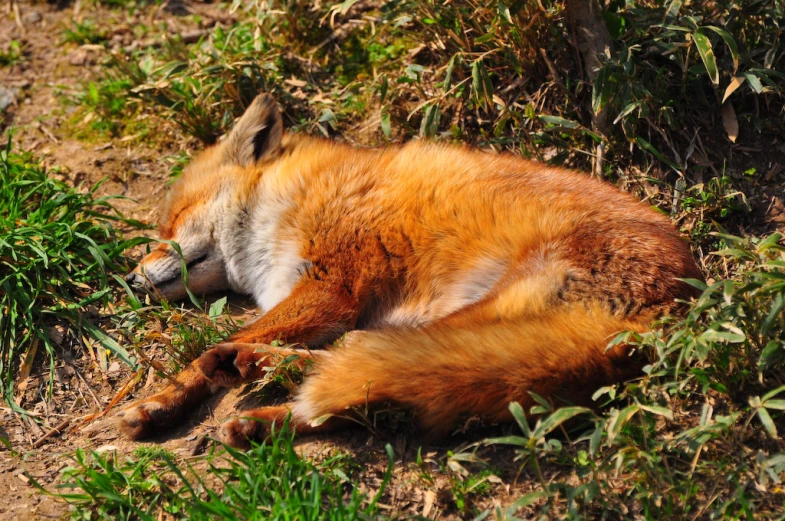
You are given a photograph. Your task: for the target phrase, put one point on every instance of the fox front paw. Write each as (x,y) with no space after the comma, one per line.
(229,365)
(240,432)
(142,419)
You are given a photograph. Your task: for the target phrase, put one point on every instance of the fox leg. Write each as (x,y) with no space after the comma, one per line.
(256,425)
(226,365)
(315,312)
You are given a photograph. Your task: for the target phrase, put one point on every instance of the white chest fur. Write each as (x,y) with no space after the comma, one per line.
(260,261)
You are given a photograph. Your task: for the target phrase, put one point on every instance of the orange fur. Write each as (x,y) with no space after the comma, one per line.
(465,279)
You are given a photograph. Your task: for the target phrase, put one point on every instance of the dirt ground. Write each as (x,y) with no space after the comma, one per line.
(139,173)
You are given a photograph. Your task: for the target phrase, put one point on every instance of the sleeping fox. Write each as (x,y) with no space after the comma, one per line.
(448,280)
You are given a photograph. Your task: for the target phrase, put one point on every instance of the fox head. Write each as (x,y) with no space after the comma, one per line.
(203,203)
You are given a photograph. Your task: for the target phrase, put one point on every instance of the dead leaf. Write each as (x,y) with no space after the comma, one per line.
(734,84)
(429,499)
(321,98)
(729,121)
(294,82)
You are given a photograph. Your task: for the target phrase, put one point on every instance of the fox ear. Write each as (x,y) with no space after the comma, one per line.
(256,134)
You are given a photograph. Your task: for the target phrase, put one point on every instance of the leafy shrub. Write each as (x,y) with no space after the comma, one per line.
(505,74)
(678,62)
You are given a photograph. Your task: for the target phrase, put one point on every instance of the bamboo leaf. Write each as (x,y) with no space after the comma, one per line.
(645,145)
(729,121)
(734,84)
(712,335)
(767,422)
(777,303)
(520,417)
(618,420)
(659,411)
(730,42)
(703,44)
(558,418)
(772,241)
(481,84)
(754,82)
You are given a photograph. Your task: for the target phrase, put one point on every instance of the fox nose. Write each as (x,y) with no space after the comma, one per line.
(132,277)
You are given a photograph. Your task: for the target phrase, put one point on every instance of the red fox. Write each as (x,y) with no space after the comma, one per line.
(448,280)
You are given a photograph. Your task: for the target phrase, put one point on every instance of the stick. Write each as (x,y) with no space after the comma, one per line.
(119,396)
(54,432)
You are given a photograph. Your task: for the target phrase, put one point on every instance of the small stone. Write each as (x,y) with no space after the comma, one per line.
(78,57)
(33,17)
(57,333)
(7,97)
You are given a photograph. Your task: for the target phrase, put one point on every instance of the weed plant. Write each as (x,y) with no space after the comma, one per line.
(12,53)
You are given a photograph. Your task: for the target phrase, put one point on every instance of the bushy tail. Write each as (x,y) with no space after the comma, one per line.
(446,371)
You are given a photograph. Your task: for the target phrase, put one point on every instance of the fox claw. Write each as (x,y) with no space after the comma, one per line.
(141,419)
(229,365)
(239,432)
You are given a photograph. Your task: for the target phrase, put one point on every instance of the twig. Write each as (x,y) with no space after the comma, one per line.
(122,393)
(87,386)
(47,132)
(18,18)
(54,432)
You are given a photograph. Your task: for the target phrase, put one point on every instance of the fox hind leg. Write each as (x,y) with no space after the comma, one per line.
(257,424)
(226,365)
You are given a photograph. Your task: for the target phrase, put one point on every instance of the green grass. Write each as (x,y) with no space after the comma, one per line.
(58,251)
(84,32)
(268,482)
(12,53)
(202,87)
(467,487)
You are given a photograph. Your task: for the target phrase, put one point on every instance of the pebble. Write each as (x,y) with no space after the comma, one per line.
(7,97)
(33,17)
